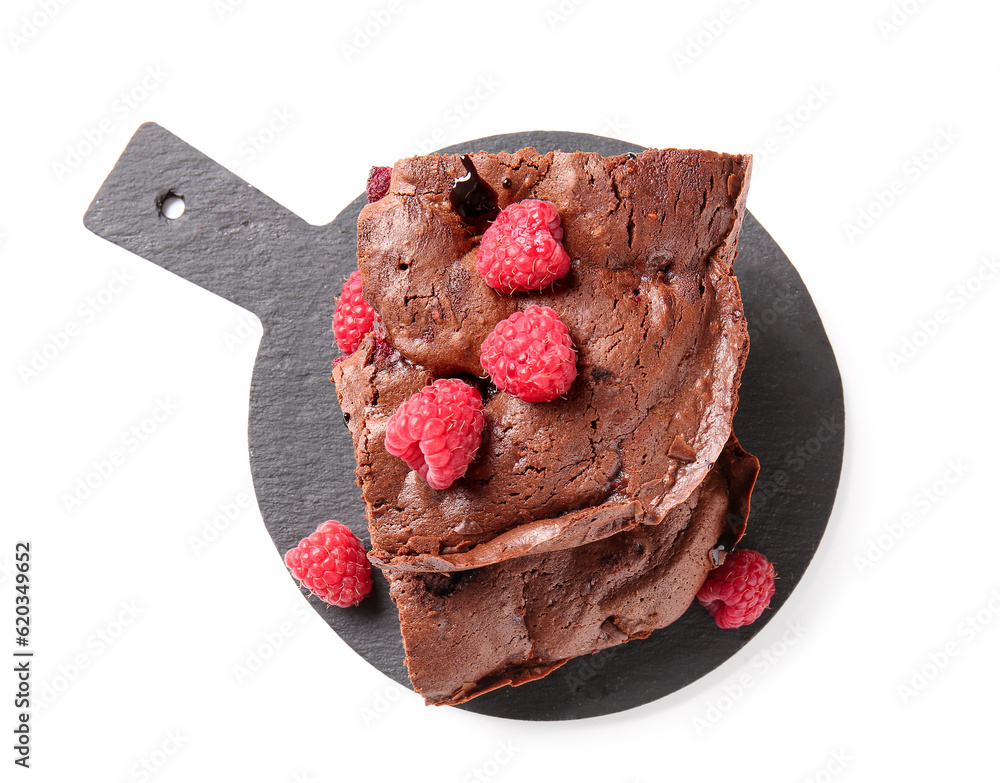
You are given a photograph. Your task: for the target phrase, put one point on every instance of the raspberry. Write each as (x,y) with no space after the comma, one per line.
(522,250)
(353,317)
(530,355)
(737,592)
(437,431)
(331,564)
(378,182)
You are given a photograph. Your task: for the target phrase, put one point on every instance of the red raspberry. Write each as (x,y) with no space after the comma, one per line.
(437,431)
(530,355)
(378,182)
(331,564)
(353,317)
(522,250)
(737,592)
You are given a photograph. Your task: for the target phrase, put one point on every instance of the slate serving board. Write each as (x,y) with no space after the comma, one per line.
(238,243)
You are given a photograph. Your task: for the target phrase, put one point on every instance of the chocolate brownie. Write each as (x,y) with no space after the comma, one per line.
(469,632)
(652,307)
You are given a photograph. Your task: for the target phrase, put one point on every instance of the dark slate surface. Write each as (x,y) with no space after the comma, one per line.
(238,243)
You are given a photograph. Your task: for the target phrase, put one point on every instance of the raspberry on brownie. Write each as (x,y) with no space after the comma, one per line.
(437,431)
(530,355)
(353,316)
(522,250)
(651,307)
(378,182)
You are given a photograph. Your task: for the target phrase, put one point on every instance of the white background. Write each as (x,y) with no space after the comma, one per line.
(140,634)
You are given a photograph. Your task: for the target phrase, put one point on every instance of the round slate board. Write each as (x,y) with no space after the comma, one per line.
(240,244)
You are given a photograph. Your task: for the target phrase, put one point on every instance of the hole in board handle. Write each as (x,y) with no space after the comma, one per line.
(171,205)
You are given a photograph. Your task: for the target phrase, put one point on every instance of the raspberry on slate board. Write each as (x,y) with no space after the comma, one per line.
(331,563)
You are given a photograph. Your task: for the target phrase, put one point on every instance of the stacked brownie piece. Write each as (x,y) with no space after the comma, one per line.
(592,519)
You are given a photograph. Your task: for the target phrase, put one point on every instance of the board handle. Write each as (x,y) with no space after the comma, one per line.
(227,239)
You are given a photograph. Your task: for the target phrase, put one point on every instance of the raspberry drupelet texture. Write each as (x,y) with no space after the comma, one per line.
(353,317)
(522,250)
(737,592)
(331,564)
(530,355)
(438,431)
(378,182)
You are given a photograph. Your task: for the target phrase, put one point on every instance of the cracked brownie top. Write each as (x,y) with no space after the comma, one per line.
(653,310)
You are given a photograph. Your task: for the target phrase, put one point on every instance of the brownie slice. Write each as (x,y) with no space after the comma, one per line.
(652,307)
(470,632)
